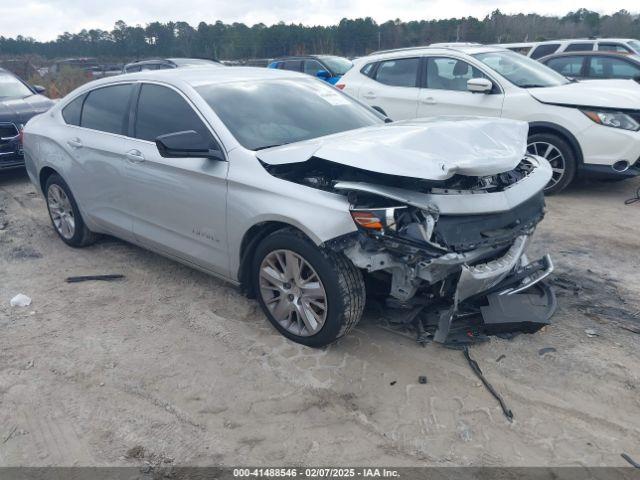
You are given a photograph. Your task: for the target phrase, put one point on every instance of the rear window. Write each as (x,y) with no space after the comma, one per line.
(71,113)
(613,47)
(544,50)
(106,109)
(401,72)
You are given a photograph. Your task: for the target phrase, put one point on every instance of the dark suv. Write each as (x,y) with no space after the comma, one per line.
(19,102)
(165,63)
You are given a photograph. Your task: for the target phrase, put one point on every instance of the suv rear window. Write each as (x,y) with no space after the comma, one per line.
(106,109)
(544,50)
(402,72)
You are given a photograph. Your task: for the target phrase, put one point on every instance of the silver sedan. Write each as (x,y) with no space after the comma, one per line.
(297,193)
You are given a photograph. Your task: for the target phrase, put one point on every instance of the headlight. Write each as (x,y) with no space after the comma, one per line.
(612,119)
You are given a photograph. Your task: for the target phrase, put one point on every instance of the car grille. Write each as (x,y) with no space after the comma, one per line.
(10,146)
(7,131)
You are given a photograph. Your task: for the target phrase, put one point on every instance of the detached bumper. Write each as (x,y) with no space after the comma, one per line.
(502,292)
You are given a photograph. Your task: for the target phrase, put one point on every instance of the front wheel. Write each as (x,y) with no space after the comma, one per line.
(310,295)
(559,154)
(65,215)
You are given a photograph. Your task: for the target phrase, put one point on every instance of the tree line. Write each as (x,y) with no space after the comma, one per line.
(351,37)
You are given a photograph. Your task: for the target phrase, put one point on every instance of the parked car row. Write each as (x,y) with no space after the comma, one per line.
(586,128)
(311,197)
(538,50)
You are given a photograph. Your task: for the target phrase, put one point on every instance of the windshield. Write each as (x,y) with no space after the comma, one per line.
(520,70)
(261,114)
(338,65)
(635,45)
(11,87)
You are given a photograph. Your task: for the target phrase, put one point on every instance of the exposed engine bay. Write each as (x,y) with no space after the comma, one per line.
(445,247)
(435,266)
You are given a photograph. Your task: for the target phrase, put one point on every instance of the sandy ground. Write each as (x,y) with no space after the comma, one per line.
(182,365)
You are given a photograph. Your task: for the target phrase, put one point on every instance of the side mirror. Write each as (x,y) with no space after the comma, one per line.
(479,85)
(39,89)
(187,144)
(324,74)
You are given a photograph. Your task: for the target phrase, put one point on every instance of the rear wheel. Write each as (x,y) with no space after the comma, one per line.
(310,295)
(559,154)
(64,214)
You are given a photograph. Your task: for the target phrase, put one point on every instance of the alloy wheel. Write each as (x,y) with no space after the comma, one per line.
(293,292)
(554,156)
(61,211)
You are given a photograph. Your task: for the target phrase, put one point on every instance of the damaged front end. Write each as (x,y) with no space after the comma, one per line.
(458,275)
(448,250)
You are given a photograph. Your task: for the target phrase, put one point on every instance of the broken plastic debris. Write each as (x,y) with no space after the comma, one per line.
(591,333)
(20,300)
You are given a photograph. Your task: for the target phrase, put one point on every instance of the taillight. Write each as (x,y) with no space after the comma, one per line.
(340,86)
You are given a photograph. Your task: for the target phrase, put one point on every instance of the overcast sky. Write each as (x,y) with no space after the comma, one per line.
(46,19)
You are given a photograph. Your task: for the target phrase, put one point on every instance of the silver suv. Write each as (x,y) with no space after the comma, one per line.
(307,199)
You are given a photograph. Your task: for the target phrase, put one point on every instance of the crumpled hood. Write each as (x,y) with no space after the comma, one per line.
(624,94)
(19,110)
(431,149)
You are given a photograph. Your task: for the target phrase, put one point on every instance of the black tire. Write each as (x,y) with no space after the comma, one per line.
(570,163)
(343,284)
(82,236)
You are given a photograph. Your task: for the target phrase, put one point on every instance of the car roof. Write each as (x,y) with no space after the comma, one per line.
(442,48)
(592,53)
(206,75)
(585,40)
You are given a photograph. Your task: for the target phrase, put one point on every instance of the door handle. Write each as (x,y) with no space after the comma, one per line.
(75,143)
(134,156)
(369,95)
(428,100)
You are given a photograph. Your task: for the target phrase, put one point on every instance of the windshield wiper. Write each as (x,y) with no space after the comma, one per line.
(531,85)
(269,146)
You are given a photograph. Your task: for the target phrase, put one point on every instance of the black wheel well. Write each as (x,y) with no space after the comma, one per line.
(250,241)
(45,173)
(566,135)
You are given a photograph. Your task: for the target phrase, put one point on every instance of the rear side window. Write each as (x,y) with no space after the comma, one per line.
(107,109)
(579,47)
(568,66)
(398,73)
(544,50)
(71,113)
(161,110)
(367,69)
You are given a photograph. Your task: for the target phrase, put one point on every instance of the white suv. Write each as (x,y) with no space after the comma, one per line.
(586,127)
(538,50)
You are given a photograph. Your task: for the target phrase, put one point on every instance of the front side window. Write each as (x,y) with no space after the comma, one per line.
(544,50)
(162,110)
(71,113)
(260,114)
(608,67)
(579,47)
(568,66)
(401,72)
(522,71)
(312,67)
(11,87)
(445,73)
(107,109)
